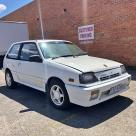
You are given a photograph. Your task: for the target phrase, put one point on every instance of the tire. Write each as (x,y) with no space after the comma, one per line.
(58,95)
(9,80)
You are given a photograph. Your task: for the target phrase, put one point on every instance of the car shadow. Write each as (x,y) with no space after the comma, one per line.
(1,62)
(132,72)
(76,116)
(0,66)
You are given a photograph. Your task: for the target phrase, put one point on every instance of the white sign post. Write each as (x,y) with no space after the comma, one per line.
(86,33)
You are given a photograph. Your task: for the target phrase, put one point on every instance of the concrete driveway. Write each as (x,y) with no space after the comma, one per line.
(26,112)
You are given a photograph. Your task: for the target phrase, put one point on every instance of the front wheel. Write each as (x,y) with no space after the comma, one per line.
(58,95)
(9,80)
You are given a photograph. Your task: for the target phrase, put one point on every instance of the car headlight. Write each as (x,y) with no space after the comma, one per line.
(123,69)
(87,78)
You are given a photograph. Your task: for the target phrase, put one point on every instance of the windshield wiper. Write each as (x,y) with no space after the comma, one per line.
(62,56)
(81,54)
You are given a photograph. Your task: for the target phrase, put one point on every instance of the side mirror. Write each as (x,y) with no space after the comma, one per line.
(35,58)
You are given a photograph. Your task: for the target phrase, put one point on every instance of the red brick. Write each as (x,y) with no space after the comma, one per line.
(114,20)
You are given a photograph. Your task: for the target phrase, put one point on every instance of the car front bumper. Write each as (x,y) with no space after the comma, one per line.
(82,95)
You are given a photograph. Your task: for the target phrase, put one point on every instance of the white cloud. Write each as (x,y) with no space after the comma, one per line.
(2,7)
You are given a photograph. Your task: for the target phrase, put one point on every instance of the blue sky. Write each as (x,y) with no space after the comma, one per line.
(8,6)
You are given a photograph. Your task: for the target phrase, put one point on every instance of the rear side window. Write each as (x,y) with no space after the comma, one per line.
(13,53)
(28,50)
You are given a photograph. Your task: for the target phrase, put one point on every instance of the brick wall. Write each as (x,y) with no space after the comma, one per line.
(114,20)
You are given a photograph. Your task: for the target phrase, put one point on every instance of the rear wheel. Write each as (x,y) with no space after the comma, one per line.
(9,80)
(58,95)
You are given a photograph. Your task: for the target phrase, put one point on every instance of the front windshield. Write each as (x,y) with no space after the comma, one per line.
(57,49)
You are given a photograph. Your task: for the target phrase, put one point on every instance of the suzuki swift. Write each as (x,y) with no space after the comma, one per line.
(65,72)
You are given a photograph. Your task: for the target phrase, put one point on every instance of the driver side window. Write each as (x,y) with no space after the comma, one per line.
(14,51)
(28,50)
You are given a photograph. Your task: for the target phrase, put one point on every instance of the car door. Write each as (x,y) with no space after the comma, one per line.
(11,60)
(30,73)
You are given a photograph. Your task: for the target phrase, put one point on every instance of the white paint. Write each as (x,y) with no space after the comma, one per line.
(36,75)
(11,32)
(40,17)
(84,63)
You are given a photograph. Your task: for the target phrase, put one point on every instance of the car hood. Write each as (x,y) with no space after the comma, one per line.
(87,63)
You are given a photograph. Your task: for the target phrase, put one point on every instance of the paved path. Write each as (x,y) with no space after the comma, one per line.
(26,112)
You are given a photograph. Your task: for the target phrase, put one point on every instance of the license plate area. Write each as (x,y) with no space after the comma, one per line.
(117,89)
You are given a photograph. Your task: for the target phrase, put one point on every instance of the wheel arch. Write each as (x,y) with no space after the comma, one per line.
(51,79)
(8,70)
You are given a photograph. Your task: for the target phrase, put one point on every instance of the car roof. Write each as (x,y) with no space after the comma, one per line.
(38,41)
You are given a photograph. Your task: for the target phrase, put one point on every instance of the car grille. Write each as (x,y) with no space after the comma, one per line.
(109,77)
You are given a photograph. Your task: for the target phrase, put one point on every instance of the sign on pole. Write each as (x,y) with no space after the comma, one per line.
(86,33)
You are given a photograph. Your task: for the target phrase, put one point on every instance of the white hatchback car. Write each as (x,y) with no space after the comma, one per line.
(65,72)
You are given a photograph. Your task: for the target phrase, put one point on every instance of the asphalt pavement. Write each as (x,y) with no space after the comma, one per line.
(27,112)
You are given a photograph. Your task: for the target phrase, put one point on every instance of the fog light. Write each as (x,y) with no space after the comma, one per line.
(94,94)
